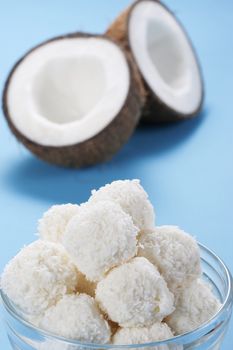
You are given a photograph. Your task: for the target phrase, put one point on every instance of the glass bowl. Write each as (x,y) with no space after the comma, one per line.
(24,336)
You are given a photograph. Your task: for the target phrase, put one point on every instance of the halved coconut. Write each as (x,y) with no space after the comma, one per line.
(73,100)
(165,58)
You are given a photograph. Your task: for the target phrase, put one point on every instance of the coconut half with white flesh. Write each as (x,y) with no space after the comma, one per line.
(73,100)
(166,60)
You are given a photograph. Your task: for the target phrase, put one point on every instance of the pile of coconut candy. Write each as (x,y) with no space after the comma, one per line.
(103,272)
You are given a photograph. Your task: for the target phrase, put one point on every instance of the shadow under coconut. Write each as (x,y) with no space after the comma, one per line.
(158,139)
(34,178)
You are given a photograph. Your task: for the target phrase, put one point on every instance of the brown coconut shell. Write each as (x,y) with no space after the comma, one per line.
(154,110)
(102,146)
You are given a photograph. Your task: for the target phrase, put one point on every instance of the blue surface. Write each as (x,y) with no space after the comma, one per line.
(187,168)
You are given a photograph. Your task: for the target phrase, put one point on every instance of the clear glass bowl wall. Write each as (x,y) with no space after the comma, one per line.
(23,336)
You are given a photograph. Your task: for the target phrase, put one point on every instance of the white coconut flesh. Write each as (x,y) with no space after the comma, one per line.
(165,56)
(68,90)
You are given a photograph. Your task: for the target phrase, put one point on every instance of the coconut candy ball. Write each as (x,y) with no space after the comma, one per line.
(134,294)
(76,316)
(196,305)
(156,332)
(133,199)
(100,237)
(38,276)
(174,252)
(52,225)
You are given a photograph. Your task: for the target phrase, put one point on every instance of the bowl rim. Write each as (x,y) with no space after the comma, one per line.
(185,338)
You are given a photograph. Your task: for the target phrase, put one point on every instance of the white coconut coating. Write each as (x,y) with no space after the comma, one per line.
(175,253)
(54,221)
(135,294)
(132,198)
(77,317)
(38,276)
(141,335)
(100,237)
(196,305)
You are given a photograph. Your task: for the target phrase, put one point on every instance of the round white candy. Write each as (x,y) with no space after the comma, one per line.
(135,294)
(174,252)
(195,306)
(38,276)
(100,237)
(52,225)
(133,199)
(77,317)
(141,335)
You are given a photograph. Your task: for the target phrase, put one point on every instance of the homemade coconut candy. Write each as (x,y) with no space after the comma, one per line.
(146,286)
(100,237)
(174,252)
(135,294)
(141,335)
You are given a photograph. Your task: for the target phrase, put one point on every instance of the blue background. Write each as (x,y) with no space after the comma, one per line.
(187,168)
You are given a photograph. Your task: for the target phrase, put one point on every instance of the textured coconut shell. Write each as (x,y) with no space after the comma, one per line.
(154,110)
(102,146)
